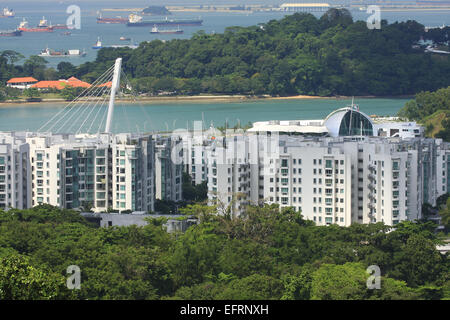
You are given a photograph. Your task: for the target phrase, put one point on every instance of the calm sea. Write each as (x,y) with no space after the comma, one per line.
(170,116)
(84,39)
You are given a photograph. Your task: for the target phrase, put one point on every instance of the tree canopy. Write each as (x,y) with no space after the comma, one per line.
(265,254)
(299,54)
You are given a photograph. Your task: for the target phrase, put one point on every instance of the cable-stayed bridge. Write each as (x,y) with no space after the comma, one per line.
(92,111)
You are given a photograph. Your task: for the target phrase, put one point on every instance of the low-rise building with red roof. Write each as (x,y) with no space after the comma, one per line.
(61,84)
(21,83)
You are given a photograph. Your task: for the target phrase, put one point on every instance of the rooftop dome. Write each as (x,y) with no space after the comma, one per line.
(349,121)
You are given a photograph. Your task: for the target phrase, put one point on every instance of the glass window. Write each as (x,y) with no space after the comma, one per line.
(355,124)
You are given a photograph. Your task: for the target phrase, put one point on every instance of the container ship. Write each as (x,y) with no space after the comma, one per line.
(155,30)
(117,20)
(137,21)
(10,33)
(49,53)
(6,13)
(42,27)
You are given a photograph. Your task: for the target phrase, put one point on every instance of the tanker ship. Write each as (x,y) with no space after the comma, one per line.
(42,27)
(117,20)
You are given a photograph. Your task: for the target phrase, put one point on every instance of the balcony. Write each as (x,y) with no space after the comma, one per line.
(371,205)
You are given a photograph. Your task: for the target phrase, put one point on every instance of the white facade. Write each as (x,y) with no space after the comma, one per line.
(168,168)
(106,172)
(341,180)
(15,173)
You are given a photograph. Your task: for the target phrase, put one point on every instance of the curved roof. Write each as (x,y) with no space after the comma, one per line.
(334,121)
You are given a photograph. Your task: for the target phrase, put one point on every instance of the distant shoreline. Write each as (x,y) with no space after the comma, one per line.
(203,99)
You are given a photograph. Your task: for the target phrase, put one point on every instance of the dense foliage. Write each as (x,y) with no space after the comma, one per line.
(431,109)
(267,254)
(299,54)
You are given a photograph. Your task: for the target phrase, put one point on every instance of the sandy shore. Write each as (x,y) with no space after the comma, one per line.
(171,99)
(192,99)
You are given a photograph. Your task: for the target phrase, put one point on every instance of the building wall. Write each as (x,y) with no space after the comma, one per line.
(169,168)
(332,180)
(15,173)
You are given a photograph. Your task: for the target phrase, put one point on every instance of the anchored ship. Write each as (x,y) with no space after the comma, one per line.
(49,53)
(60,27)
(155,30)
(7,13)
(10,33)
(42,27)
(135,20)
(117,20)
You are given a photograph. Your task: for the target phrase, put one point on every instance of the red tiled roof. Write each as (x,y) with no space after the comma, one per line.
(22,80)
(60,84)
(50,84)
(106,84)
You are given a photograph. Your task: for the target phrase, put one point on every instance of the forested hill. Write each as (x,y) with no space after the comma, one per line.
(299,54)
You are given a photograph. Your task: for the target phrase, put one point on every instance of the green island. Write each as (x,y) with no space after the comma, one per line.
(297,55)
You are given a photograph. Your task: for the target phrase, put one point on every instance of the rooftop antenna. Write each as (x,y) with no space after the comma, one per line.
(114,88)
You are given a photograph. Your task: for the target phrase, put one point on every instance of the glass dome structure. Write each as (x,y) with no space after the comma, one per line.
(349,121)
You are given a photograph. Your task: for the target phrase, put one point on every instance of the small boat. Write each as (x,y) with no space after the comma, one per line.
(67,33)
(124,39)
(7,13)
(49,53)
(155,30)
(98,45)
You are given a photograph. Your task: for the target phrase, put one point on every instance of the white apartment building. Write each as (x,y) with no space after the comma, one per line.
(106,172)
(229,174)
(339,180)
(15,173)
(168,168)
(194,144)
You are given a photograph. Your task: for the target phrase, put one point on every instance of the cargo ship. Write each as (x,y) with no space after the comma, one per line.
(6,13)
(155,30)
(49,53)
(117,20)
(42,27)
(60,27)
(10,33)
(135,20)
